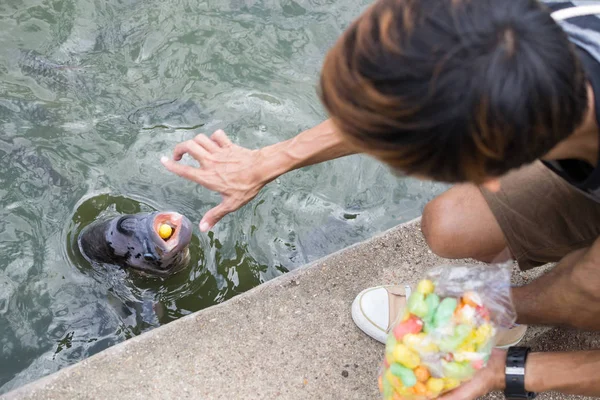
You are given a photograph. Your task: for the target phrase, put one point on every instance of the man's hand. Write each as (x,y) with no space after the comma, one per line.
(225,167)
(488,379)
(239,173)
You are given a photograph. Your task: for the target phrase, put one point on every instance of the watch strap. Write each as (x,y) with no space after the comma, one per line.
(516,359)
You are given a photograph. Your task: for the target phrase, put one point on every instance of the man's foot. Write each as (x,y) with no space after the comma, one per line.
(376,308)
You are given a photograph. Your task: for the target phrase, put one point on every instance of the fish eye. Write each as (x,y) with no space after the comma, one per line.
(149,257)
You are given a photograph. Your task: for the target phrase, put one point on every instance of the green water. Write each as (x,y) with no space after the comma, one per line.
(93,93)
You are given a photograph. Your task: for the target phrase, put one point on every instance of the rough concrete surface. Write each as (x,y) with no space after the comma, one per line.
(290,338)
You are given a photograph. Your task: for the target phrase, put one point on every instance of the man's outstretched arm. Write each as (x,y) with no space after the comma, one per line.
(239,173)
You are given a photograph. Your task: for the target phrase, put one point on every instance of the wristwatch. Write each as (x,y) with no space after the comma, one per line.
(515,374)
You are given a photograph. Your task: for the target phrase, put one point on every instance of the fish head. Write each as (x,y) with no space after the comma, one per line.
(137,243)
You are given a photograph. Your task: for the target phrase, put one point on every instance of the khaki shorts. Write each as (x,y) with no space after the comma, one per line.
(543,217)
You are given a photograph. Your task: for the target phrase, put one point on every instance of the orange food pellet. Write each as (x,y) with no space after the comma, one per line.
(397,397)
(422,373)
(458,309)
(420,389)
(380,381)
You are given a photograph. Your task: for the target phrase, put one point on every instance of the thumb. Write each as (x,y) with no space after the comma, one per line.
(213,216)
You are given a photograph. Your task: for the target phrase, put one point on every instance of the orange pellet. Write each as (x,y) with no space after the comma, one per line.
(458,309)
(380,381)
(420,389)
(422,373)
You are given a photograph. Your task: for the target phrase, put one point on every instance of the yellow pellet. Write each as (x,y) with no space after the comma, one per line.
(165,231)
(451,383)
(435,385)
(425,286)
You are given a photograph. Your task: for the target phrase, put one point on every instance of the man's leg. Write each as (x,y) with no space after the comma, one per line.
(535,218)
(456,224)
(459,224)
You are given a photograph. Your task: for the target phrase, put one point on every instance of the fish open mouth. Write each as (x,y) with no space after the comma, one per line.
(173,230)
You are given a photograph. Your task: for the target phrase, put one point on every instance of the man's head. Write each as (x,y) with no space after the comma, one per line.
(454,90)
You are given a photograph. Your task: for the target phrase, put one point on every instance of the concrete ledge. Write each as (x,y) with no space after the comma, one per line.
(290,338)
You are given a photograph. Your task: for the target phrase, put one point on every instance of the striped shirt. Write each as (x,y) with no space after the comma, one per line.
(582,32)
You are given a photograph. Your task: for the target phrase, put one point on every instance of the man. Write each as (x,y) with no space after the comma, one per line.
(473,93)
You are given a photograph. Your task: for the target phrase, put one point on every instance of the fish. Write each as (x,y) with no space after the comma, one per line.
(172,114)
(35,64)
(133,241)
(50,75)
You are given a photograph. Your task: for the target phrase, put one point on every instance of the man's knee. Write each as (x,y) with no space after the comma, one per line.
(437,226)
(460,224)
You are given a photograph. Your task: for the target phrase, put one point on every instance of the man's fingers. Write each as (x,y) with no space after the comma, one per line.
(205,142)
(214,215)
(192,148)
(221,138)
(185,171)
(198,175)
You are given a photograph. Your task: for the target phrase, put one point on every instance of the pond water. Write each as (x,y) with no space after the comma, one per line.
(93,92)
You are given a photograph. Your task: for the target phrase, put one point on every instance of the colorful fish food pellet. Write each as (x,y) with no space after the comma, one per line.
(165,231)
(439,343)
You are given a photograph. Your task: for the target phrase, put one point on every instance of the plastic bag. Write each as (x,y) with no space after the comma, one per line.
(447,330)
